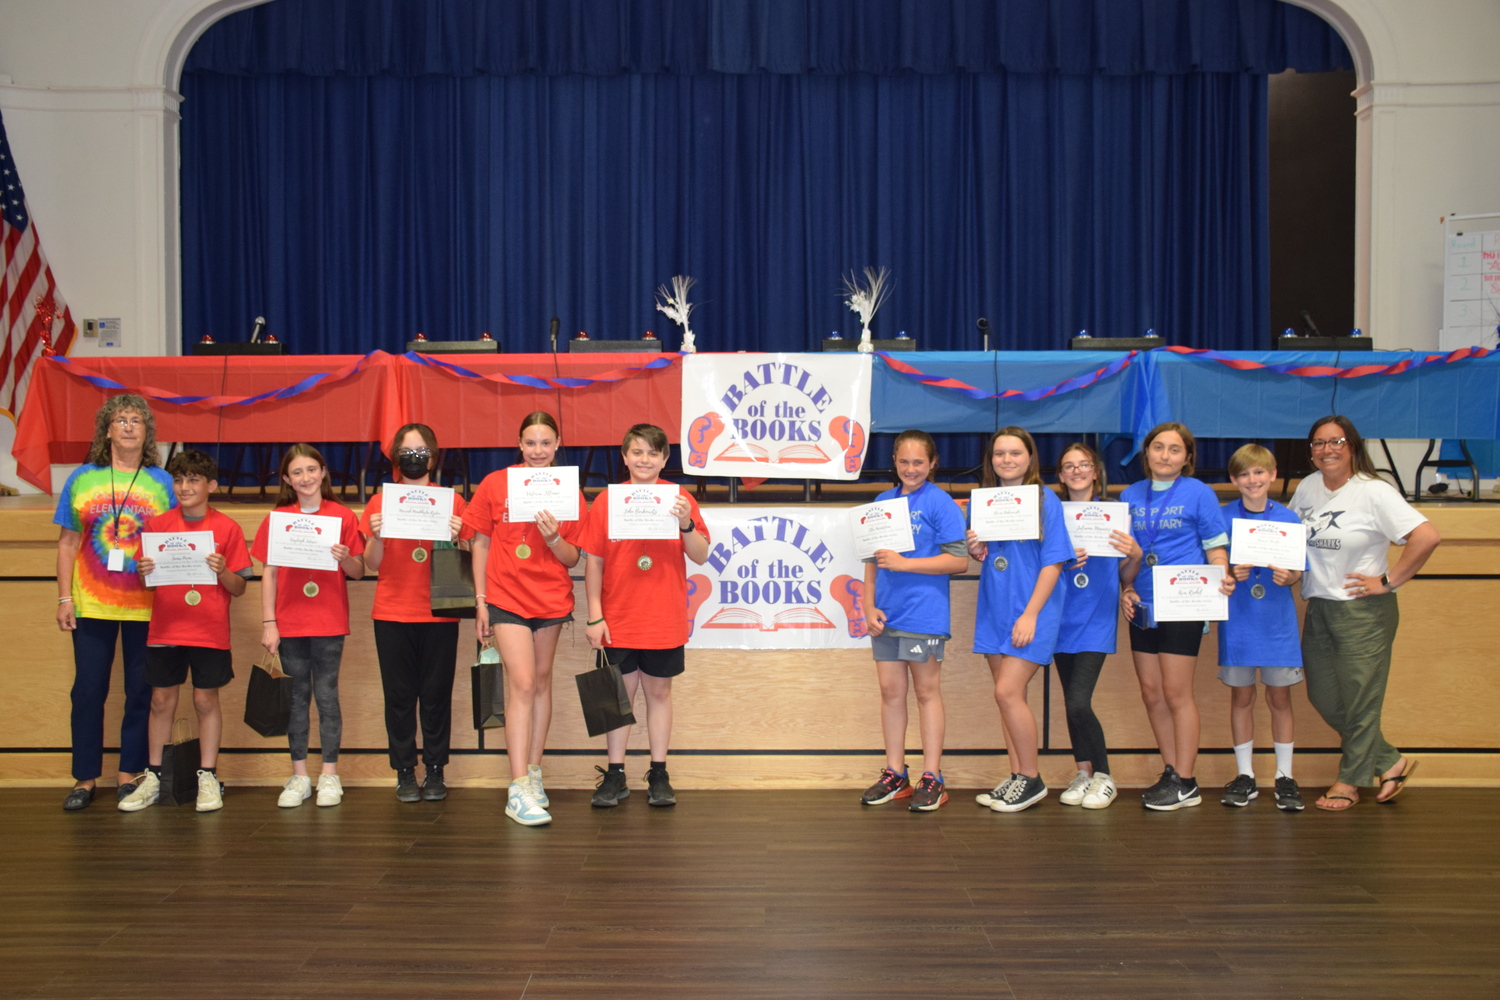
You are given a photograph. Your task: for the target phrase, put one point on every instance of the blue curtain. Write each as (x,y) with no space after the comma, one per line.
(358,175)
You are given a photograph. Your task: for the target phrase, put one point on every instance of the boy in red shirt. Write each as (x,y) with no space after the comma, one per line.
(637,592)
(190,630)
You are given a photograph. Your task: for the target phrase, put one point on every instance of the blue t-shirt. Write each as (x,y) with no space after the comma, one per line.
(1004,594)
(1186,515)
(917,603)
(1091,607)
(1260,632)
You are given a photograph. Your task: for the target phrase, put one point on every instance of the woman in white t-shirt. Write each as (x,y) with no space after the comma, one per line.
(1352,520)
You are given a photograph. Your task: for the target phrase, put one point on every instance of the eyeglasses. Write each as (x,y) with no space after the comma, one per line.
(129,422)
(1078,467)
(1328,443)
(413,453)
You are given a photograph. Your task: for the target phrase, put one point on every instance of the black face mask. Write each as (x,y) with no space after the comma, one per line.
(414,464)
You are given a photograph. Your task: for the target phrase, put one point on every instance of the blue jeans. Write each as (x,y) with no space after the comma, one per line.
(312,662)
(93,662)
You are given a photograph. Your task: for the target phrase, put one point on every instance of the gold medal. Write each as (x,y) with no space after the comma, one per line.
(310,589)
(1002,563)
(644,563)
(192,597)
(523,551)
(419,554)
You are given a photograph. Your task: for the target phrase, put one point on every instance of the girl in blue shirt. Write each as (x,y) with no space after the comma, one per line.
(1019,610)
(1176,521)
(906,611)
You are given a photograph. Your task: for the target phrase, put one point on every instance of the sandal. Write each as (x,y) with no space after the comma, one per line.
(1335,798)
(1399,780)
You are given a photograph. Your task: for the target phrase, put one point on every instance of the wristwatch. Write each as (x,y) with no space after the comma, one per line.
(1385,581)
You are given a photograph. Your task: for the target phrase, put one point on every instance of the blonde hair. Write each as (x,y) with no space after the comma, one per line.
(1251,456)
(99,448)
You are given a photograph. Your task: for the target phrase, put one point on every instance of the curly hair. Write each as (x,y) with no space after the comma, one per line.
(99,449)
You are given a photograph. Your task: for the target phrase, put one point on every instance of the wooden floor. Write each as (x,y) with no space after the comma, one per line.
(788,894)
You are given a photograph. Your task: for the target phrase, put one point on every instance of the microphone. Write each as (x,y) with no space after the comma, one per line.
(1309,325)
(257,329)
(984,329)
(555,325)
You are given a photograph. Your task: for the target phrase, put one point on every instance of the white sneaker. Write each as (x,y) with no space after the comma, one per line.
(1073,794)
(210,792)
(534,774)
(522,806)
(995,794)
(147,791)
(330,790)
(1100,792)
(297,790)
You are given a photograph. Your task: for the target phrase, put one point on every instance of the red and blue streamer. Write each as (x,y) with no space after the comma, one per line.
(78,371)
(1330,371)
(1020,395)
(543,382)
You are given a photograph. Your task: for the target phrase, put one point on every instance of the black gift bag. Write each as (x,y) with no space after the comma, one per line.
(179,767)
(488,677)
(268,702)
(453,592)
(601,692)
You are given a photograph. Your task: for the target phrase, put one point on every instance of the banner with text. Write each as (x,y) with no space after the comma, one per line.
(775,416)
(777,578)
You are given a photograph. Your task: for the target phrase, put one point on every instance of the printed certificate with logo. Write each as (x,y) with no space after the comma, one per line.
(418,513)
(1005,513)
(1253,542)
(181,557)
(884,524)
(642,511)
(1189,594)
(531,491)
(302,541)
(1089,525)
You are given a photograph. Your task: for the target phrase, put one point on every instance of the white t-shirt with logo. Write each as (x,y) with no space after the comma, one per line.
(1349,530)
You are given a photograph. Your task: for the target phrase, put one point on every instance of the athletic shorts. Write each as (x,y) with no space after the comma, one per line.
(499,616)
(1275,677)
(168,666)
(908,649)
(1174,638)
(651,662)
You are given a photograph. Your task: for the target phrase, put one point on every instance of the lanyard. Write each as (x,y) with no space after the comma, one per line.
(1153,524)
(1265,515)
(115,504)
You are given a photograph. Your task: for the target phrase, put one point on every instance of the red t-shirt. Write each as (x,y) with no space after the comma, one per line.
(403,591)
(312,602)
(538,586)
(646,608)
(175,622)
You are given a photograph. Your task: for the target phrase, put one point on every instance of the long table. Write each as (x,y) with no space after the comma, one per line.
(1457,400)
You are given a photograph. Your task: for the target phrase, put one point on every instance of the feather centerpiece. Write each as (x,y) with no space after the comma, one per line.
(675,305)
(864,300)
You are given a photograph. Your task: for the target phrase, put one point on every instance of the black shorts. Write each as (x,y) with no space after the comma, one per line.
(499,616)
(652,662)
(168,666)
(1172,638)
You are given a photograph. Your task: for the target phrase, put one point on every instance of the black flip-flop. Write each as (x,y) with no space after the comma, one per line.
(78,798)
(1330,798)
(1398,779)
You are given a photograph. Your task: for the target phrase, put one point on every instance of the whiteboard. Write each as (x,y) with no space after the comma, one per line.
(1471,281)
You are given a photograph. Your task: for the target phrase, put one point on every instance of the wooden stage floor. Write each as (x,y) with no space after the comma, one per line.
(786,894)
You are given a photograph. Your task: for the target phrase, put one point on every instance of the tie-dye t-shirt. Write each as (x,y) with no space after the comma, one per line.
(85,506)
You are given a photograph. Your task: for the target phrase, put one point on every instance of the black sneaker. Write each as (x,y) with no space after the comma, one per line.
(434,789)
(1288,795)
(1241,791)
(1168,794)
(889,785)
(659,789)
(407,789)
(1187,794)
(610,790)
(1023,793)
(929,794)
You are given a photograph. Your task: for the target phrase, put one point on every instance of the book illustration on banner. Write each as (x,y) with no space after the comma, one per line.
(699,589)
(798,617)
(850,593)
(739,451)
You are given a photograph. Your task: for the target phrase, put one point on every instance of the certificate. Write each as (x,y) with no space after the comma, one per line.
(643,511)
(302,541)
(181,557)
(1253,542)
(1005,513)
(419,513)
(532,491)
(884,524)
(1090,522)
(1189,594)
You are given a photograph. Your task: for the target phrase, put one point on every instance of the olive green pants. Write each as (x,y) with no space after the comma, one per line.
(1346,655)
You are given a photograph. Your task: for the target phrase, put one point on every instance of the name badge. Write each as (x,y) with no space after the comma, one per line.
(116,560)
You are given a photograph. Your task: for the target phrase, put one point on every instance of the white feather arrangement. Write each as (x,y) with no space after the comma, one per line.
(865,299)
(677,308)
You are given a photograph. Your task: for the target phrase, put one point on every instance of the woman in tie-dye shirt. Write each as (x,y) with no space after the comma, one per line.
(100,596)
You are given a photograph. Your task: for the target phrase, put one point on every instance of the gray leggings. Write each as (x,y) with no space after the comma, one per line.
(312,662)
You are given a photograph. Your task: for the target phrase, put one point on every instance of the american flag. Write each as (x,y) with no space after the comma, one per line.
(34,319)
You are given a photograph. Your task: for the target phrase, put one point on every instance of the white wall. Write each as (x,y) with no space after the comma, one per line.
(86,87)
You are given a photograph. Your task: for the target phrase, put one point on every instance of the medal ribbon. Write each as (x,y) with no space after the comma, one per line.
(1153,524)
